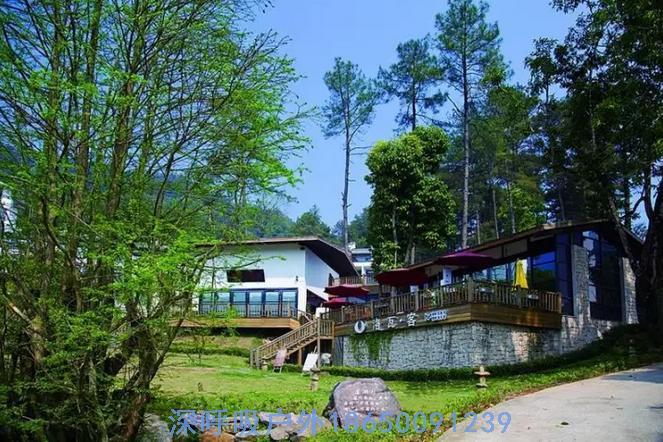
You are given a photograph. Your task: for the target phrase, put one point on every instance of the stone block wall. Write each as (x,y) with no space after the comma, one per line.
(454,345)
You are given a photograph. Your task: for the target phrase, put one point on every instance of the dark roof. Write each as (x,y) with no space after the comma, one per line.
(540,230)
(334,256)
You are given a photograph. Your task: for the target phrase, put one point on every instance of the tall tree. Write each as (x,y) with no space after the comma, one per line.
(310,223)
(348,111)
(610,65)
(410,79)
(469,47)
(547,123)
(411,206)
(127,131)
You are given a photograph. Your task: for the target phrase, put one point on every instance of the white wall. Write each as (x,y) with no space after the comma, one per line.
(285,266)
(317,271)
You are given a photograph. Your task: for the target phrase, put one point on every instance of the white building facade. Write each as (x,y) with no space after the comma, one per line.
(272,277)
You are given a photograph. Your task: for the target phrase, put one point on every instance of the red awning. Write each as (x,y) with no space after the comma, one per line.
(402,277)
(347,290)
(465,259)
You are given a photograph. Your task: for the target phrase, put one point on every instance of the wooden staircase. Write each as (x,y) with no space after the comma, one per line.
(293,341)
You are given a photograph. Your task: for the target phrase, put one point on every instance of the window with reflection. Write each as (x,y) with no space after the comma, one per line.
(251,303)
(541,272)
(604,276)
(217,301)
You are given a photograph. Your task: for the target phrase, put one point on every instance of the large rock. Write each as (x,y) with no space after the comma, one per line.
(280,433)
(154,429)
(277,418)
(250,435)
(214,435)
(363,397)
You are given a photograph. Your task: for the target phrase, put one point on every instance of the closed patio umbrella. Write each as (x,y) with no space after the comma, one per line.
(520,277)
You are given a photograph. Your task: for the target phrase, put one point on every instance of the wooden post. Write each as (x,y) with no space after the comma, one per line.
(299,357)
(342,314)
(470,290)
(319,348)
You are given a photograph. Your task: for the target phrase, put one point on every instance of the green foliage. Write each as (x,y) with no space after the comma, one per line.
(376,345)
(271,222)
(358,229)
(410,205)
(352,100)
(410,78)
(469,45)
(310,223)
(131,134)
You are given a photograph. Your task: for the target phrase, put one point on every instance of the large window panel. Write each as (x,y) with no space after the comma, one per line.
(604,277)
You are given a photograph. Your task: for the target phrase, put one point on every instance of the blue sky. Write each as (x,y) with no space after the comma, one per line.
(367,33)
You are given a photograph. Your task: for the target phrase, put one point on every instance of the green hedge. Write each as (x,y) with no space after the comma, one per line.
(614,341)
(211,349)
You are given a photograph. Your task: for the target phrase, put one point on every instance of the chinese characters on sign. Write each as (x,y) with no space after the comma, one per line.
(408,320)
(436,315)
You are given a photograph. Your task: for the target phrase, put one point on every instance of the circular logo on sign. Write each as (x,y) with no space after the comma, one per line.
(360,326)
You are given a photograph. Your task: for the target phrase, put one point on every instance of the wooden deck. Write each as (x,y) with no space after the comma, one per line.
(465,301)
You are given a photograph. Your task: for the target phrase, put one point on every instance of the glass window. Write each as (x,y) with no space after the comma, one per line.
(239,298)
(542,276)
(243,275)
(289,296)
(604,276)
(271,297)
(362,257)
(543,258)
(255,297)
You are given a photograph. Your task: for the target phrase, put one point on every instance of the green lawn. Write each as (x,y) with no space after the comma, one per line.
(228,383)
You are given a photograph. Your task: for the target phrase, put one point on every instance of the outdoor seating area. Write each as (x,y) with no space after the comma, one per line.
(465,292)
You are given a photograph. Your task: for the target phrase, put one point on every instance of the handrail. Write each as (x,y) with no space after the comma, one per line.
(292,340)
(464,292)
(353,280)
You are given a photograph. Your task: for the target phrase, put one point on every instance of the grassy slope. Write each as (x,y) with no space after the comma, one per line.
(228,383)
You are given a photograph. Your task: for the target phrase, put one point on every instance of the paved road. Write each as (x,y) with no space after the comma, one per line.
(624,406)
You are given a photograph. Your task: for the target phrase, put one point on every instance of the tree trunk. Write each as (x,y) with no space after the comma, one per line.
(466,156)
(414,107)
(512,214)
(497,227)
(346,185)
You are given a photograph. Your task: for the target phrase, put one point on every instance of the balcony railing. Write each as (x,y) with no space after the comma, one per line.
(353,280)
(465,292)
(266,310)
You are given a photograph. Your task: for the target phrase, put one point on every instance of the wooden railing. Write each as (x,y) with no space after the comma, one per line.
(293,340)
(353,280)
(266,310)
(465,292)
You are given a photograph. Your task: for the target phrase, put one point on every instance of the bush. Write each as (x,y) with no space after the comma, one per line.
(188,348)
